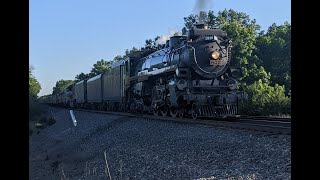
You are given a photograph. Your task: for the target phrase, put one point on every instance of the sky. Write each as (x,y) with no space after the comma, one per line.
(66,37)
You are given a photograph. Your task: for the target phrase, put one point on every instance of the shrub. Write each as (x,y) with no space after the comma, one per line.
(264,99)
(38,116)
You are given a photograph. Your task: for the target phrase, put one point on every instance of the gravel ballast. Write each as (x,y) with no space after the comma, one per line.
(133,148)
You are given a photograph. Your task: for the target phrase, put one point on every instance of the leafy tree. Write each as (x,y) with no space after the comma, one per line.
(128,52)
(81,76)
(117,58)
(34,85)
(149,43)
(152,44)
(149,47)
(155,39)
(256,73)
(242,31)
(190,21)
(264,99)
(61,85)
(274,51)
(100,67)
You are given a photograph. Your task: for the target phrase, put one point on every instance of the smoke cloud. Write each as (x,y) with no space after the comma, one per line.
(201,5)
(164,38)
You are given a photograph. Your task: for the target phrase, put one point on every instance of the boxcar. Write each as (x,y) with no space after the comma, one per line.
(94,89)
(113,83)
(80,92)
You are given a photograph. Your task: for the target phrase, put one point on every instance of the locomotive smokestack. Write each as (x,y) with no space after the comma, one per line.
(202,17)
(201,20)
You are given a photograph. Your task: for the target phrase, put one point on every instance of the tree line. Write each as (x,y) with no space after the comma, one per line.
(264,56)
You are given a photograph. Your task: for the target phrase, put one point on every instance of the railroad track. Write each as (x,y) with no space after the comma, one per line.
(262,123)
(256,123)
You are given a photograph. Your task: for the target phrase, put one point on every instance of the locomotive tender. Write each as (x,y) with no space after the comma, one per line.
(190,76)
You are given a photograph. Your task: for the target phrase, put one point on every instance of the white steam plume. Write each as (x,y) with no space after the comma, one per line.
(164,38)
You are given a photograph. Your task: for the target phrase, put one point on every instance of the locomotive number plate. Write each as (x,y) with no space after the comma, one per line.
(216,62)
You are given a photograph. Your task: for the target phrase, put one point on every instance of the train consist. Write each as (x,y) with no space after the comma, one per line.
(190,76)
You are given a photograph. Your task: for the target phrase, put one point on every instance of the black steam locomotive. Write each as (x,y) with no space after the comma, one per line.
(190,76)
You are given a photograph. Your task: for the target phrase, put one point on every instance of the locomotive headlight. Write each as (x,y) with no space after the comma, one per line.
(215,55)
